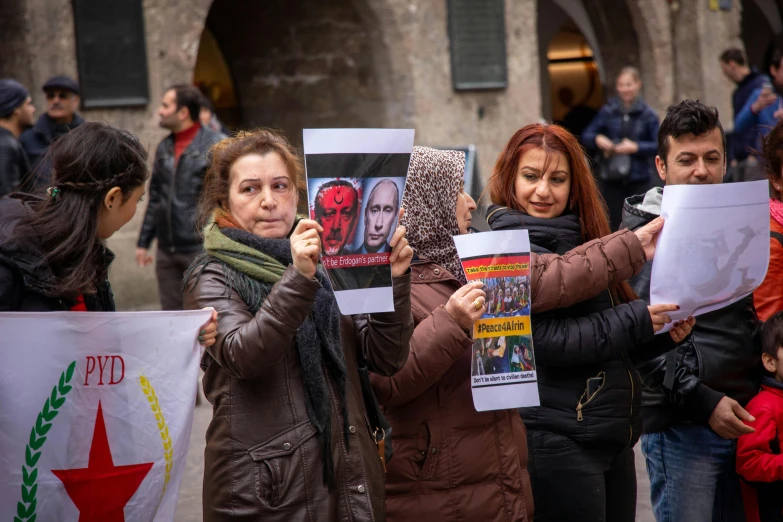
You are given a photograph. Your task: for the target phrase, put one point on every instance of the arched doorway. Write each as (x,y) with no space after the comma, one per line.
(571,71)
(293,65)
(761,26)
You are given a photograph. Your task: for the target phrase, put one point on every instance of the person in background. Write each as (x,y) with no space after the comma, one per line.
(450,462)
(743,165)
(61,117)
(288,439)
(759,460)
(581,437)
(623,135)
(693,396)
(209,119)
(768,298)
(17,112)
(763,109)
(180,163)
(53,254)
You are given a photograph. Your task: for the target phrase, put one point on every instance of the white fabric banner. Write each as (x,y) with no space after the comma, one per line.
(95,413)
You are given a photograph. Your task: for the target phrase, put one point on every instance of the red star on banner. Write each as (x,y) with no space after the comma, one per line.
(101,490)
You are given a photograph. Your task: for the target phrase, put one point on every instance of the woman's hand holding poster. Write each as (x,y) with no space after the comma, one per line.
(355,181)
(503,368)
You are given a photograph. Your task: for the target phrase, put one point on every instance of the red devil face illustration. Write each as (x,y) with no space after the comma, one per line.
(336,209)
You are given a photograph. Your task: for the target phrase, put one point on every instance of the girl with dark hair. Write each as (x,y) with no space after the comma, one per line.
(581,438)
(53,255)
(768,298)
(288,439)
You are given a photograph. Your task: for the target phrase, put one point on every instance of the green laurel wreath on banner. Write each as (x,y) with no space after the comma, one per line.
(25,509)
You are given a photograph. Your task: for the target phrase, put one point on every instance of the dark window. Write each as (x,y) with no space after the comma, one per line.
(477,35)
(111,52)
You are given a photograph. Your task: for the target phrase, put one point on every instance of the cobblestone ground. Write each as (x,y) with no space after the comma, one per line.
(189,503)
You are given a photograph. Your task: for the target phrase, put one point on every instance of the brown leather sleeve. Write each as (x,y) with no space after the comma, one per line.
(585,271)
(437,342)
(247,345)
(384,338)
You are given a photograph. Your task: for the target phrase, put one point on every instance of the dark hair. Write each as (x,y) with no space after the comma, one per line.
(777,56)
(217,181)
(86,162)
(733,54)
(772,335)
(772,150)
(687,117)
(188,96)
(206,103)
(585,199)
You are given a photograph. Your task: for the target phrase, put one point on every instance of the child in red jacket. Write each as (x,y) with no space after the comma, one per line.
(759,460)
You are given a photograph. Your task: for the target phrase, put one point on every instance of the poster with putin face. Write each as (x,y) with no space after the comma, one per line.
(355,182)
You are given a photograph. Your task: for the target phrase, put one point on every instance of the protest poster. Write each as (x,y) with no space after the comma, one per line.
(355,181)
(96,411)
(503,367)
(714,248)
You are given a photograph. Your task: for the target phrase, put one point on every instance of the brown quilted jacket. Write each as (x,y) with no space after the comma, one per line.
(450,462)
(262,461)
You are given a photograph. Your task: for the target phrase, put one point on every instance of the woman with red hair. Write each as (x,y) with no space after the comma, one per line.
(581,438)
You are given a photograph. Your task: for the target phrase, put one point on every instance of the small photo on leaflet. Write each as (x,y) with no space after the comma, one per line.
(335,206)
(521,353)
(507,296)
(381,211)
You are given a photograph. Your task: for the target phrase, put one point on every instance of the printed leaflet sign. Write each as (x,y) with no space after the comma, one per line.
(355,181)
(503,369)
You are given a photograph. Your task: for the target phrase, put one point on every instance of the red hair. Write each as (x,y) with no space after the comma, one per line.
(585,199)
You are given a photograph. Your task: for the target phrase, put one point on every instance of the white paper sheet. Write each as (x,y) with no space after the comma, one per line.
(714,247)
(350,163)
(503,368)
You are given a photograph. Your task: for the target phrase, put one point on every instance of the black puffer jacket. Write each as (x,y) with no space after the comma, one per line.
(171,213)
(571,345)
(36,142)
(721,357)
(13,162)
(25,278)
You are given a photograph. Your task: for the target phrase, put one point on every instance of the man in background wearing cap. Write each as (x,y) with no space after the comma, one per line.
(16,114)
(62,98)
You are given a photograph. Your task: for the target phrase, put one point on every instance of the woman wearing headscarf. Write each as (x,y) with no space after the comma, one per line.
(451,462)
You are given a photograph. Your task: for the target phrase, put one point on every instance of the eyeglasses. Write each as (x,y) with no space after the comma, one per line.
(63,95)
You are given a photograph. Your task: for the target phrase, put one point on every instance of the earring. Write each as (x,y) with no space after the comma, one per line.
(109,206)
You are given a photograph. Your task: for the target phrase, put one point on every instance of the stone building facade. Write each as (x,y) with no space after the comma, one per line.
(372,63)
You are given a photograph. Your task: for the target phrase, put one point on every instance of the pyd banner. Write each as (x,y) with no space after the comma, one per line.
(355,181)
(95,413)
(503,368)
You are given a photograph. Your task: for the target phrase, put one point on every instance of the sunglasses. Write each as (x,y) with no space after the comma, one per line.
(63,95)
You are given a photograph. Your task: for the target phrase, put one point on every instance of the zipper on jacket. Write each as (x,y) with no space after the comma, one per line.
(630,378)
(175,166)
(580,404)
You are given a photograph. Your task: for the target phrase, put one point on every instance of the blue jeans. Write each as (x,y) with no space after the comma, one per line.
(692,475)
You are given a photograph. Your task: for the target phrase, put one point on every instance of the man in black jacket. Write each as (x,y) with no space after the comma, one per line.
(180,164)
(62,98)
(693,396)
(16,113)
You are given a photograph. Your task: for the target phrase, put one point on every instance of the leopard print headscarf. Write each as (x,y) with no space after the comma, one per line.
(430,203)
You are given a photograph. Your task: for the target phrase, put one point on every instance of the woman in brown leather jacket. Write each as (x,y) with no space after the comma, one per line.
(289,439)
(451,462)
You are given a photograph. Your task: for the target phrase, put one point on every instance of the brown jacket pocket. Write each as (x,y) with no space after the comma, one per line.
(272,462)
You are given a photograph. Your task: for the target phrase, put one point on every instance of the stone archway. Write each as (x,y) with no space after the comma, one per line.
(307,64)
